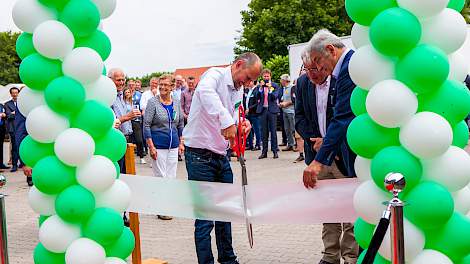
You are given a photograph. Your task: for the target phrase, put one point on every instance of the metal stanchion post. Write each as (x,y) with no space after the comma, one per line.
(395,183)
(3,222)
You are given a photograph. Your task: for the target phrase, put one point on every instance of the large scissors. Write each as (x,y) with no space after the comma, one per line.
(239,149)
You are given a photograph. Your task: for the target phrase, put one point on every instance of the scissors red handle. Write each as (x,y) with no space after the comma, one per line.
(240,140)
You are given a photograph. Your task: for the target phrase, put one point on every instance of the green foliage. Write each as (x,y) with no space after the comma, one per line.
(466,11)
(269,26)
(9,60)
(146,78)
(278,65)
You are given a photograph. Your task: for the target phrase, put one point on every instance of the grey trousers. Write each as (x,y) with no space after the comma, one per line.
(289,126)
(338,238)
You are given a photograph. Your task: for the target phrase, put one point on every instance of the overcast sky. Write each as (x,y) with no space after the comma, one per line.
(151,35)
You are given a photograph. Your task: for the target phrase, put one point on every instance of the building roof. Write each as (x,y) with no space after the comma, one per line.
(195,72)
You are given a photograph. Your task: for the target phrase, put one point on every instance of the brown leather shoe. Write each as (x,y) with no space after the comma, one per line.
(164,217)
(288,148)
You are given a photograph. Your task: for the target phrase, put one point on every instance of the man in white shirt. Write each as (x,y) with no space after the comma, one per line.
(180,86)
(149,94)
(211,127)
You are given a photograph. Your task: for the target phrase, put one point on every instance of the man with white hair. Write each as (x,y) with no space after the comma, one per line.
(180,86)
(323,114)
(149,94)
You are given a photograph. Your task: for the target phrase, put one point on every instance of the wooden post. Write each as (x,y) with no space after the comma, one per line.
(133,217)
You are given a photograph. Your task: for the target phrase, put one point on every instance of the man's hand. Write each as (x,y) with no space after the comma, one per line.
(117,123)
(181,149)
(230,132)
(282,104)
(317,143)
(246,127)
(153,153)
(28,171)
(311,174)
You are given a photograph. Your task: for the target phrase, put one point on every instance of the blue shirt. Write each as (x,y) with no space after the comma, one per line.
(136,98)
(120,108)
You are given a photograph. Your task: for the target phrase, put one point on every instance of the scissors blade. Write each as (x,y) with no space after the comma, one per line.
(249,226)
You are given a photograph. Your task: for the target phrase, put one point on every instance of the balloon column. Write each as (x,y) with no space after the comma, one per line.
(410,103)
(72,145)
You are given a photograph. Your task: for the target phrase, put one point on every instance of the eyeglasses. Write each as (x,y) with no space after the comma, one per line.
(166,85)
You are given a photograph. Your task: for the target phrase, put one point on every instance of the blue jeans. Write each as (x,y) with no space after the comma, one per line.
(255,132)
(211,167)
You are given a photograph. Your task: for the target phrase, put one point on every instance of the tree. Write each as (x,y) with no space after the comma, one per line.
(146,78)
(278,65)
(9,60)
(269,26)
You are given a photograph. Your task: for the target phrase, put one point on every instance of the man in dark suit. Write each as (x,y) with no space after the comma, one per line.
(10,111)
(250,102)
(20,134)
(268,109)
(323,114)
(3,117)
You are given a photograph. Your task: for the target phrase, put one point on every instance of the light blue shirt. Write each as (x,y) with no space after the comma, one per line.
(120,108)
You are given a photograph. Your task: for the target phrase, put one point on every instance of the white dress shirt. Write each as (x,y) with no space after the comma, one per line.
(212,109)
(322,91)
(146,97)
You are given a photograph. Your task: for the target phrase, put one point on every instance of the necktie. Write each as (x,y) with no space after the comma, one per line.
(265,96)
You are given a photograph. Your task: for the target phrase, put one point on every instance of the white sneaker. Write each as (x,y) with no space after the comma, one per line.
(142,161)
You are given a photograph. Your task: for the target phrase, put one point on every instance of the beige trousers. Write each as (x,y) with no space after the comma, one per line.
(338,238)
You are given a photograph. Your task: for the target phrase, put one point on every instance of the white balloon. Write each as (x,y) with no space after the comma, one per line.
(106,7)
(85,251)
(28,99)
(114,261)
(102,90)
(28,14)
(462,200)
(414,242)
(367,67)
(56,235)
(429,256)
(97,174)
(426,135)
(118,196)
(360,36)
(423,8)
(458,66)
(44,125)
(53,39)
(83,64)
(41,203)
(362,168)
(368,202)
(451,169)
(391,103)
(74,147)
(436,30)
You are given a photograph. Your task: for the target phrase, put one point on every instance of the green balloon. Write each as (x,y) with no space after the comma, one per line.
(42,218)
(429,205)
(366,138)
(424,69)
(358,101)
(378,259)
(460,132)
(396,159)
(51,176)
(95,118)
(112,145)
(44,256)
(451,101)
(105,226)
(452,238)
(104,70)
(118,169)
(24,45)
(123,247)
(58,4)
(32,151)
(37,71)
(363,232)
(75,204)
(82,17)
(395,31)
(457,5)
(98,41)
(65,95)
(364,11)
(465,260)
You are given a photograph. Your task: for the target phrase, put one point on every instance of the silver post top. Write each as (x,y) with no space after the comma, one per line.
(395,183)
(3,180)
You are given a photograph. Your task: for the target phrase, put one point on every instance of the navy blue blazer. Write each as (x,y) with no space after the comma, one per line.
(335,138)
(10,107)
(20,127)
(273,99)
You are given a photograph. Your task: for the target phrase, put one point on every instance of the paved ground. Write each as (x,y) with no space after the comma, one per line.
(173,240)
